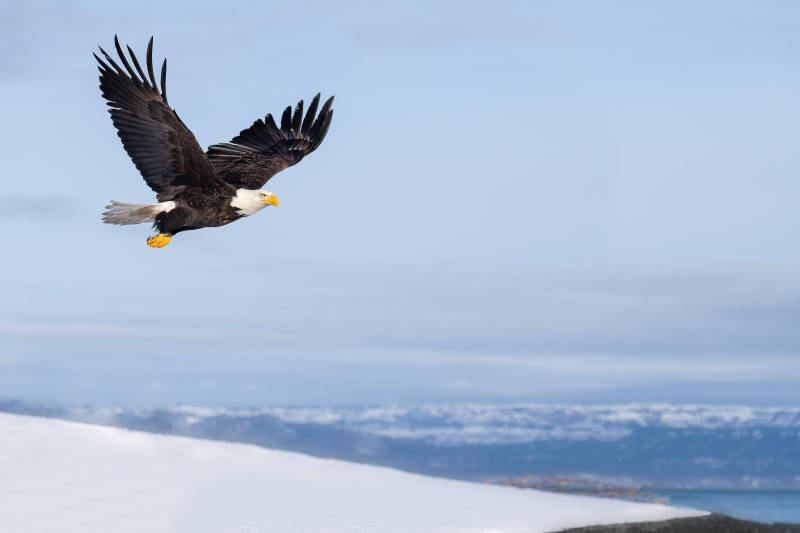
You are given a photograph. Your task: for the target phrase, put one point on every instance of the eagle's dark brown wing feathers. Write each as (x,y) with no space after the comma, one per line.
(298,116)
(264,149)
(161,146)
(312,112)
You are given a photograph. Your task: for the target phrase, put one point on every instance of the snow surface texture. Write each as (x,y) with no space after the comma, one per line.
(69,477)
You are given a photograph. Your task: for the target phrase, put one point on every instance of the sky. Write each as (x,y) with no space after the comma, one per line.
(517,201)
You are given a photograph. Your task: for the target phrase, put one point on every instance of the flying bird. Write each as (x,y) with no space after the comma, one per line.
(197,189)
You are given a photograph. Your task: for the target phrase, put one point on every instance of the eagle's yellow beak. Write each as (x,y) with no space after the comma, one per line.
(270,200)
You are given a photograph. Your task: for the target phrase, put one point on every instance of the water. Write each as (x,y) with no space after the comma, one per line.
(760,506)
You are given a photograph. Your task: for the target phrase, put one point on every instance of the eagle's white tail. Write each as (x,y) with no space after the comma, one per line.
(122,214)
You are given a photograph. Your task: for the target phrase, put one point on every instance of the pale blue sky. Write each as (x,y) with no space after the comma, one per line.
(517,201)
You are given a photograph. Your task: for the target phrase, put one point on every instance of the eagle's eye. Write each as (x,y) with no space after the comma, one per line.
(263,195)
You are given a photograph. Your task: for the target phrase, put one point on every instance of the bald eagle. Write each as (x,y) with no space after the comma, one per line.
(196,189)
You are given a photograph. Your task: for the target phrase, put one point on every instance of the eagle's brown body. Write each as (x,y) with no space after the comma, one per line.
(195,211)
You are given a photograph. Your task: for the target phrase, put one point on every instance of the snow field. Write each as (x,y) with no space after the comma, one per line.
(63,477)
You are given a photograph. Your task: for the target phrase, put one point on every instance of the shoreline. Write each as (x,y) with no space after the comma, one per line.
(712,523)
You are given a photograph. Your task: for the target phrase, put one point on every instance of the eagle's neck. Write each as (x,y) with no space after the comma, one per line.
(247,202)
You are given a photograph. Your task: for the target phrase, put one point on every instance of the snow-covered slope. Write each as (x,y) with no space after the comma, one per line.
(63,476)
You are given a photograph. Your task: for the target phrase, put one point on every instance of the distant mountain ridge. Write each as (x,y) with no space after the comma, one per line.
(671,445)
(515,423)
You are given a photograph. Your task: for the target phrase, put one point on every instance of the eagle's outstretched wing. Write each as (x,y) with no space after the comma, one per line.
(264,149)
(156,139)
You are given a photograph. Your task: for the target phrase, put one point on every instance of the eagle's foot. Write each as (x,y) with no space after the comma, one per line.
(159,241)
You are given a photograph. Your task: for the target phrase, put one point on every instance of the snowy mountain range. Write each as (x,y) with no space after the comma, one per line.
(690,446)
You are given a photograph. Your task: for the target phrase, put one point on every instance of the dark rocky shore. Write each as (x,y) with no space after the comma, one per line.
(713,523)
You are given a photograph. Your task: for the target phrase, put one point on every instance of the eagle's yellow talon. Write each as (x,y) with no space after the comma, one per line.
(159,241)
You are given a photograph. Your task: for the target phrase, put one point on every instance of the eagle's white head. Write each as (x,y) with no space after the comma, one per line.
(248,202)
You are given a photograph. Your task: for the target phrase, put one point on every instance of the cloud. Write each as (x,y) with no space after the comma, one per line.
(635,310)
(624,310)
(627,309)
(99,331)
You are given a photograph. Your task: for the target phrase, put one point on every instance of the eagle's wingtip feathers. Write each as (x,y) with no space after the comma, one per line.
(150,64)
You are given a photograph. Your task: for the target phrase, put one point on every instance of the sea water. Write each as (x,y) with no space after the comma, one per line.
(767,506)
